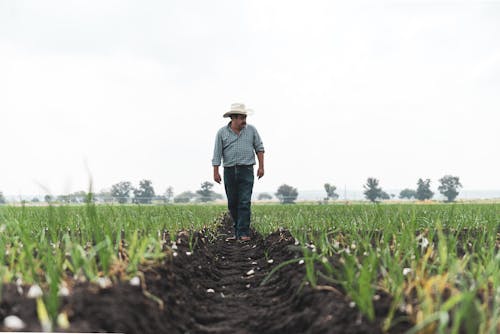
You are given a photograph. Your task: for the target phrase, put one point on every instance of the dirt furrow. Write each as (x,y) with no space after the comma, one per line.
(213,288)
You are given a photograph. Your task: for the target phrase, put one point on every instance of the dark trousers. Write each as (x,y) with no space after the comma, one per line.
(238,181)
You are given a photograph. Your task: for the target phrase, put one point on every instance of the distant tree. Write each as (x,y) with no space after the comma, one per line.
(78,196)
(184,197)
(104,196)
(449,187)
(48,198)
(169,194)
(372,191)
(62,198)
(145,193)
(35,200)
(287,194)
(90,197)
(2,198)
(121,191)
(424,190)
(330,192)
(264,197)
(407,193)
(206,194)
(384,195)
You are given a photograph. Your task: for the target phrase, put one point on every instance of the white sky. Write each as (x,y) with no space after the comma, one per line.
(342,91)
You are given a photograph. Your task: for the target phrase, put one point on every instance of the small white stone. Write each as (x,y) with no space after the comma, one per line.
(135,281)
(248,286)
(174,247)
(301,262)
(210,291)
(402,308)
(222,295)
(352,304)
(62,321)
(254,262)
(104,282)
(63,291)
(376,297)
(406,271)
(296,242)
(189,253)
(175,254)
(13,322)
(270,261)
(424,242)
(250,272)
(35,291)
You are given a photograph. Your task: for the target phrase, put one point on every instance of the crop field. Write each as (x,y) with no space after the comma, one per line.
(337,268)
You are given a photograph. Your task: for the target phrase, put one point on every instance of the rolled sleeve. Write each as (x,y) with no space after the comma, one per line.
(257,142)
(217,158)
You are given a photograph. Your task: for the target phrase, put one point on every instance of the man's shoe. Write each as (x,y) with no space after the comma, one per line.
(245,239)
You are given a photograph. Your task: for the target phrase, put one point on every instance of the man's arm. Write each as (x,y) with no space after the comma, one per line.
(260,157)
(217,157)
(259,149)
(217,177)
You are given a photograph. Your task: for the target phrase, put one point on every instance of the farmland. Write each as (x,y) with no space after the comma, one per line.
(321,268)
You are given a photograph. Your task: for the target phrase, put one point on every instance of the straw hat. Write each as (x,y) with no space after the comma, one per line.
(238,109)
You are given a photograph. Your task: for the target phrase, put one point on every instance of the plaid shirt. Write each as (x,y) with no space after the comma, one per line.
(236,149)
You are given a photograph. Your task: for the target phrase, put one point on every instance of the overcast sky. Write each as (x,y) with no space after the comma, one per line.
(342,91)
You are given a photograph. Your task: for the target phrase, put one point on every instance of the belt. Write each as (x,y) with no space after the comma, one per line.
(240,166)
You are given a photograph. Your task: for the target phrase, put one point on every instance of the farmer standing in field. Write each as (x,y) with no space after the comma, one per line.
(236,145)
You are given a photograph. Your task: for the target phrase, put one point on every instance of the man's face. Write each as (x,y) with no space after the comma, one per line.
(239,121)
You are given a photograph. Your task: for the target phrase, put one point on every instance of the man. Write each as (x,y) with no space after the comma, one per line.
(236,145)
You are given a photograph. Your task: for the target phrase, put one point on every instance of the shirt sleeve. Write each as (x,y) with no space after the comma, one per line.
(216,160)
(257,142)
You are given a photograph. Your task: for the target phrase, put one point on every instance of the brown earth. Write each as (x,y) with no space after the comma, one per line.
(175,297)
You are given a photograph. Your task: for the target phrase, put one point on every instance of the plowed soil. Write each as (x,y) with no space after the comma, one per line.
(216,289)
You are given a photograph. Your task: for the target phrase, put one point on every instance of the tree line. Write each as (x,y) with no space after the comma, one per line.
(145,193)
(449,188)
(124,192)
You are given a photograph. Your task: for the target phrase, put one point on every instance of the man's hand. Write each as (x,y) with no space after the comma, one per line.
(217,177)
(260,172)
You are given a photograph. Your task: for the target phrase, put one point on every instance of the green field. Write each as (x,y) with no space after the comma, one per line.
(440,263)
